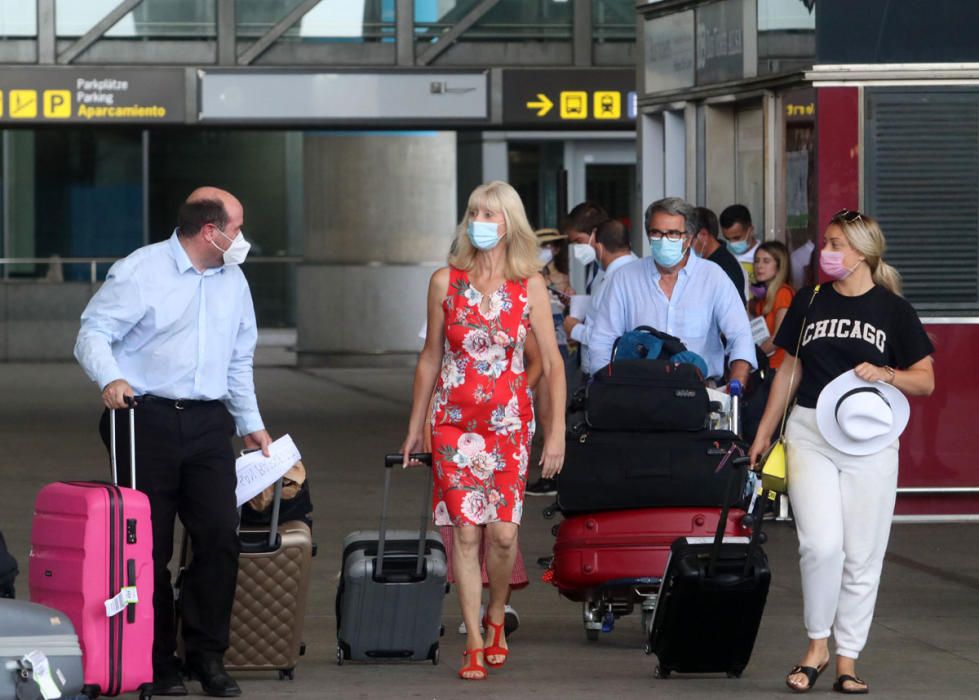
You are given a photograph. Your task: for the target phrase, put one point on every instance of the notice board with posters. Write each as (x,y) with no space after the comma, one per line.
(70,94)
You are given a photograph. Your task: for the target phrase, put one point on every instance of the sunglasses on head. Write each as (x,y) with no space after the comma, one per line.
(846,215)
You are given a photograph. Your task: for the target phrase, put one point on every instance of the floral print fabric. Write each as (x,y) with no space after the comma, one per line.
(482,413)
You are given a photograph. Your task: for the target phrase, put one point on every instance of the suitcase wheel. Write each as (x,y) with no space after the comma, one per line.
(550,511)
(146,691)
(339,655)
(92,691)
(435,657)
(287,674)
(735,674)
(661,672)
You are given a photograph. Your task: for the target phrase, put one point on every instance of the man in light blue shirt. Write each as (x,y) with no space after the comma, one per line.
(173,329)
(613,253)
(676,293)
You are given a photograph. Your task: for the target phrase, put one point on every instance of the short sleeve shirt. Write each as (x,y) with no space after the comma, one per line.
(840,332)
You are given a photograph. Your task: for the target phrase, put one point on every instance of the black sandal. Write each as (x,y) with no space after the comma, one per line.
(840,687)
(809,672)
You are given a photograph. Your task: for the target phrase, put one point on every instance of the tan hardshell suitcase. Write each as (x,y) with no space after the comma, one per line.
(270,602)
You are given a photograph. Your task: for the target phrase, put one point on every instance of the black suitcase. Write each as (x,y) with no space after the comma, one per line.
(646,395)
(711,602)
(616,470)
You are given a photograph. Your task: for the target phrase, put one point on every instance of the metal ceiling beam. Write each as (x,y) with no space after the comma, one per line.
(277,30)
(227,33)
(446,40)
(583,33)
(405,32)
(96,32)
(46,32)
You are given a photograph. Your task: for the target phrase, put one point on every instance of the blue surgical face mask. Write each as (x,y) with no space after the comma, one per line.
(483,234)
(666,252)
(738,247)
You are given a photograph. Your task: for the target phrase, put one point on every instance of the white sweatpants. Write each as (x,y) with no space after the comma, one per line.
(843,507)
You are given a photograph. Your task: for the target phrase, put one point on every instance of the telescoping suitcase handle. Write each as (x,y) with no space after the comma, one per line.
(389,461)
(736,463)
(132,443)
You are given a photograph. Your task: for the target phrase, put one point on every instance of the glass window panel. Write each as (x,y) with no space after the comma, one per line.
(17,18)
(350,20)
(614,20)
(510,19)
(777,15)
(74,193)
(149,19)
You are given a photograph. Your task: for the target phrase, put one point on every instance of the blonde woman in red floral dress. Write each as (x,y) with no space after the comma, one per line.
(480,309)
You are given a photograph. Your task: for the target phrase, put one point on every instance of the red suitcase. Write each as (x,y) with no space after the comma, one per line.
(92,559)
(598,548)
(612,561)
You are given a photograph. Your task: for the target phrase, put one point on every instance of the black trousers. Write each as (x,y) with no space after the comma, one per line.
(185,464)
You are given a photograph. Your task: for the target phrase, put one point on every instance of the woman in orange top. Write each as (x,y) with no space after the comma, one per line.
(771,294)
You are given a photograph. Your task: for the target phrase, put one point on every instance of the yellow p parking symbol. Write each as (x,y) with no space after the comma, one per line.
(57,104)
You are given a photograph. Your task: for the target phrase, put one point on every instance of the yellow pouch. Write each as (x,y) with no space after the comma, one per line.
(774,476)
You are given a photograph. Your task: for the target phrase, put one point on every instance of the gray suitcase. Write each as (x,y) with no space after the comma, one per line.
(30,636)
(389,601)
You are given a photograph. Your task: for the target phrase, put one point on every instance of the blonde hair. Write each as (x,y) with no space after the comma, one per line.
(865,236)
(521,244)
(778,251)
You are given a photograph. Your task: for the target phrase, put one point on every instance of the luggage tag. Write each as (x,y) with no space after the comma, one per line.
(40,669)
(117,603)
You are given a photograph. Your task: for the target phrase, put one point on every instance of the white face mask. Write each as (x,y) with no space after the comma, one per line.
(583,253)
(545,255)
(237,251)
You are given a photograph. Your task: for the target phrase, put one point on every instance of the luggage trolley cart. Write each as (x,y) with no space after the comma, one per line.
(635,542)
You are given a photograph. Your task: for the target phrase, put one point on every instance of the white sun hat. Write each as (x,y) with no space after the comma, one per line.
(859,417)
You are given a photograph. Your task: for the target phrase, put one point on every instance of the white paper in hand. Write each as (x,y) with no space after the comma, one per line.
(256,471)
(759,330)
(580,303)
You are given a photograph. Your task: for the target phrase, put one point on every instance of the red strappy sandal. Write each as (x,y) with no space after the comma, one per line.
(473,666)
(494,649)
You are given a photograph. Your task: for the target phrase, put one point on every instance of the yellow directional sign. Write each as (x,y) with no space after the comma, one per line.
(57,104)
(574,105)
(601,98)
(543,105)
(23,104)
(608,105)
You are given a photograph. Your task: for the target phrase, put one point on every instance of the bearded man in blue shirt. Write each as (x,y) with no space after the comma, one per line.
(173,329)
(677,293)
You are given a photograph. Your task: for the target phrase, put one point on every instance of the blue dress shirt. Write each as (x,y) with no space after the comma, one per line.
(704,305)
(582,331)
(174,332)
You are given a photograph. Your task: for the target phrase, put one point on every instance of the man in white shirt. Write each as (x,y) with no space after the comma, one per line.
(173,330)
(676,293)
(740,236)
(613,253)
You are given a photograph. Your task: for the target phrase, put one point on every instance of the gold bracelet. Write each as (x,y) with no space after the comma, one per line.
(893,373)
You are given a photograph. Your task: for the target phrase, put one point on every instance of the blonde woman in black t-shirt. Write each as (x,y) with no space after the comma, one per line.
(842,485)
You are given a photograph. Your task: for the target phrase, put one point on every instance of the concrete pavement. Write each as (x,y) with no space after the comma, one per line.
(924,642)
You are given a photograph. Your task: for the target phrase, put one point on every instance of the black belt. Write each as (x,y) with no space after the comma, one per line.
(179,404)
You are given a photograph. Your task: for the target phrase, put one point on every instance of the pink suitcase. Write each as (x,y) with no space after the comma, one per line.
(91,545)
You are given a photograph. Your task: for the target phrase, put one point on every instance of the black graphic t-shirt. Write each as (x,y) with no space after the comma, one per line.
(879,327)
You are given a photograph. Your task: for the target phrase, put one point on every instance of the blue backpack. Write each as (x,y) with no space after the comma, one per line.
(647,343)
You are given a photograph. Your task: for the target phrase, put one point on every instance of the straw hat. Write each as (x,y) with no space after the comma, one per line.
(548,235)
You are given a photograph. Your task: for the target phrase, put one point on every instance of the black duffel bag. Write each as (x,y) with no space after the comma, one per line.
(647,395)
(618,470)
